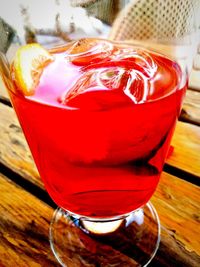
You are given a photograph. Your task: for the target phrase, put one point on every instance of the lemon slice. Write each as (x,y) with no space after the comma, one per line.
(28,65)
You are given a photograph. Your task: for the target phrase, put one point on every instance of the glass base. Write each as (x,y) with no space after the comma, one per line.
(131,241)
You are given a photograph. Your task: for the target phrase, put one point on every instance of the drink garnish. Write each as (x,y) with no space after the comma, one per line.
(28,65)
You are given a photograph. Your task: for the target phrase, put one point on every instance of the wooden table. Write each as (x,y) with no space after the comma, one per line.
(26,209)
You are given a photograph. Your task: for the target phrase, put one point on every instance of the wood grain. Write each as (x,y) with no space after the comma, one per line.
(24,235)
(24,226)
(186,143)
(14,151)
(191,107)
(177,203)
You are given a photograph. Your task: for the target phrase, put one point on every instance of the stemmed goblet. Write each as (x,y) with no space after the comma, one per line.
(98,115)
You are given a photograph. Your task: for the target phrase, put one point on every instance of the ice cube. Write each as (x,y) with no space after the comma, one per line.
(89,50)
(142,59)
(99,89)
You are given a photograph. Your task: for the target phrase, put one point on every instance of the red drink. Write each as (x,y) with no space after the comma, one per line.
(99,125)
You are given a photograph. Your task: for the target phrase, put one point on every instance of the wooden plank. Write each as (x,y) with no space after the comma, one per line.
(14,151)
(191,107)
(177,203)
(15,154)
(25,220)
(186,143)
(24,234)
(24,226)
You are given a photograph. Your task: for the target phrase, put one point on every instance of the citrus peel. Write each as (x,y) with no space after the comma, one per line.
(28,65)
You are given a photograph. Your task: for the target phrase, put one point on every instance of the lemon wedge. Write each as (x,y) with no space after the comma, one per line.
(28,65)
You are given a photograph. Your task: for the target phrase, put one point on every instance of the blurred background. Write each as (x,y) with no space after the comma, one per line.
(54,22)
(57,21)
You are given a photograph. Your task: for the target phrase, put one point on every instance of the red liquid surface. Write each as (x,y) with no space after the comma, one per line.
(99,126)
